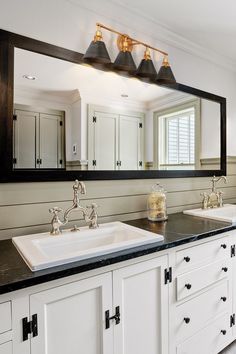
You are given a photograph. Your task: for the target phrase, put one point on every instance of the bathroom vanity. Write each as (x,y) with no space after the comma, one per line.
(174,296)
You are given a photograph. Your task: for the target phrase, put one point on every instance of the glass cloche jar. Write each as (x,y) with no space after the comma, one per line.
(156,204)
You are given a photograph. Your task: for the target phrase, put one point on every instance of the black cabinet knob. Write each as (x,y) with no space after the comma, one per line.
(223,298)
(187,259)
(223,331)
(188,286)
(224,246)
(186,320)
(225,269)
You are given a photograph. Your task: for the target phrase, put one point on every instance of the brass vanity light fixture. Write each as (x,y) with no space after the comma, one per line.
(97,51)
(124,62)
(165,74)
(146,67)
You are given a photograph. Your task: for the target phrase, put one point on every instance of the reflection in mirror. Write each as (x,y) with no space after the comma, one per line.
(75,117)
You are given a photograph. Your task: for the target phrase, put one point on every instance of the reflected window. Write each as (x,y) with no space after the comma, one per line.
(177,143)
(180,138)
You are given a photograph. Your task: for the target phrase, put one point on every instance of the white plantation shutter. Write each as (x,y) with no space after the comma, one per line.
(180,137)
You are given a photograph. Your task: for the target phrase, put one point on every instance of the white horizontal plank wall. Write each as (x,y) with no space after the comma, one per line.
(24,206)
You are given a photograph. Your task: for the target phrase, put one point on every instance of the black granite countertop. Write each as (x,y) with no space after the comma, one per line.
(178,230)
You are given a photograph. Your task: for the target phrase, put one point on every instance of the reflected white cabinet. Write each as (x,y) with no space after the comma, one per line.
(115,140)
(38,140)
(105,143)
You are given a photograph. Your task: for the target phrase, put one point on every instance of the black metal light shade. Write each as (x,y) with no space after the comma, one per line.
(146,69)
(125,62)
(97,53)
(165,74)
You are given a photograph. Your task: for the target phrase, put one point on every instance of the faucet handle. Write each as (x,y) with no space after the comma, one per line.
(93,206)
(93,217)
(55,210)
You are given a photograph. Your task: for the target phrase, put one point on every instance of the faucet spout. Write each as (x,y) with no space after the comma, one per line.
(78,187)
(215,180)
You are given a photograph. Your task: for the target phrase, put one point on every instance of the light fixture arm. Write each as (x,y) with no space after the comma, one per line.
(132,40)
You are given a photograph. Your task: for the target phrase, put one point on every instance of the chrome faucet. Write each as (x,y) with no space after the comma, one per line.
(214,199)
(89,213)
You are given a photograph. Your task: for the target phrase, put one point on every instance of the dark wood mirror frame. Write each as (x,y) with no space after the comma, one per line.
(8,41)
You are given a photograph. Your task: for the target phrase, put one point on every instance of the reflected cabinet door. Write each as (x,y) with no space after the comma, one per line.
(140,292)
(130,142)
(71,318)
(105,141)
(115,140)
(50,145)
(38,139)
(24,142)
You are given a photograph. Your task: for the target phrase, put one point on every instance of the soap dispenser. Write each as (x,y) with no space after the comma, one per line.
(156,204)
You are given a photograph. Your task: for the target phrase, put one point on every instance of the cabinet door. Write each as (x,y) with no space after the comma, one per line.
(105,141)
(140,292)
(234,292)
(50,146)
(71,318)
(25,138)
(6,348)
(130,143)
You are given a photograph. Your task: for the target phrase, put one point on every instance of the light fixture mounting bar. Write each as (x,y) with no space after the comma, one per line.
(134,41)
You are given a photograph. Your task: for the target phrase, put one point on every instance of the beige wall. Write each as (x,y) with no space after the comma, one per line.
(24,206)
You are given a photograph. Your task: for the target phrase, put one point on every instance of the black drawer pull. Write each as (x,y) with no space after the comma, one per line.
(225,269)
(186,320)
(223,298)
(188,286)
(224,246)
(187,259)
(223,331)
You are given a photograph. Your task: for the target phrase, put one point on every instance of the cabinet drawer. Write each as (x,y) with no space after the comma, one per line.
(196,256)
(5,316)
(194,314)
(209,340)
(191,282)
(6,348)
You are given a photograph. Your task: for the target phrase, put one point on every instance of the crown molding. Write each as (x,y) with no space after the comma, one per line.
(148,26)
(66,98)
(170,100)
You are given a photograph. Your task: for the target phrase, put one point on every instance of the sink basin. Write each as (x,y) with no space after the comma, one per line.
(226,213)
(42,251)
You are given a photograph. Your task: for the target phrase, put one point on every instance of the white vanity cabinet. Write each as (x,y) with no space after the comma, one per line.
(6,348)
(142,295)
(178,301)
(202,308)
(71,317)
(118,312)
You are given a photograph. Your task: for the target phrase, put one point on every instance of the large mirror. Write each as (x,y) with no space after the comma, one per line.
(69,117)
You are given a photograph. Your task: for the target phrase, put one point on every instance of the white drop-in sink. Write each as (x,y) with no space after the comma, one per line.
(226,213)
(42,251)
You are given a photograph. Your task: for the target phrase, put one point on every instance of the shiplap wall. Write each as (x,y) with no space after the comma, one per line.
(24,206)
